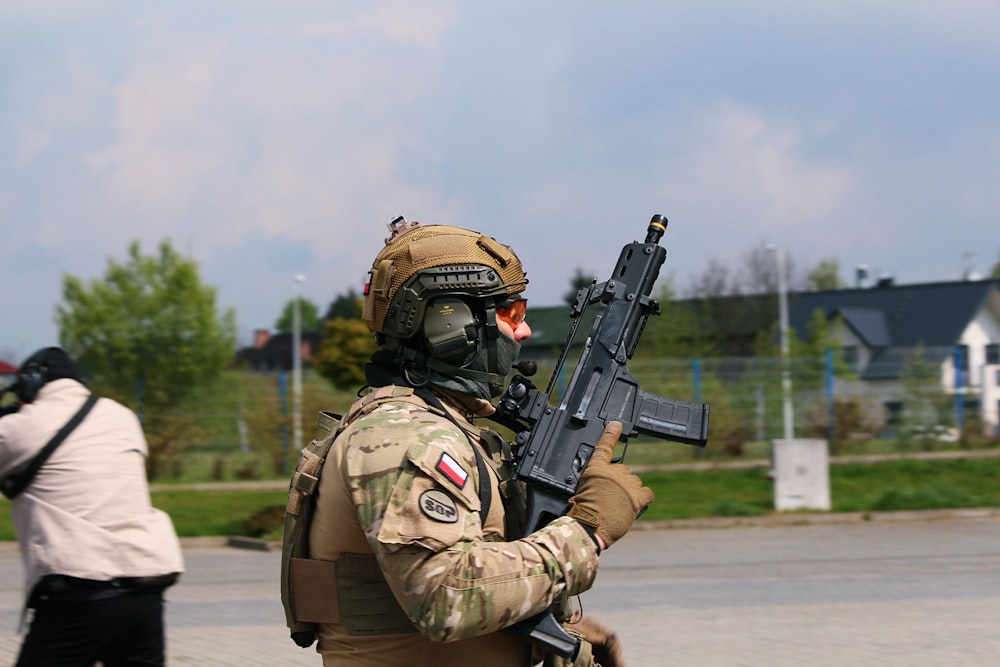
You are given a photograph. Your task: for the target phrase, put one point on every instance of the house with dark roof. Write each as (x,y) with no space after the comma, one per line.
(273,352)
(955,326)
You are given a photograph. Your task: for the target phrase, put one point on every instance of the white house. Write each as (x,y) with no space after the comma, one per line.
(953,325)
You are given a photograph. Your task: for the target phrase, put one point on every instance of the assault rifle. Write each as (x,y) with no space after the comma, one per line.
(553,444)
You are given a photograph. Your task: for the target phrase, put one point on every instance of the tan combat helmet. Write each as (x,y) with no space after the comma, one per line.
(420,264)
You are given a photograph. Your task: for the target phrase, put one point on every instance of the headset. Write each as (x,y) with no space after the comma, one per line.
(450,330)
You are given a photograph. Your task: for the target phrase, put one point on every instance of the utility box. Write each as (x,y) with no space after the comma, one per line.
(801,475)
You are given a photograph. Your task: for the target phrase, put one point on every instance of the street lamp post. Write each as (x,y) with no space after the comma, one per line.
(786,376)
(297,364)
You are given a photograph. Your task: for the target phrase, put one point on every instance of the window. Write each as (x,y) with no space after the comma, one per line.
(993,353)
(894,412)
(850,354)
(972,406)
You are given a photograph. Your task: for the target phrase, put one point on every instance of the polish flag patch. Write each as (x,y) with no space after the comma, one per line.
(451,469)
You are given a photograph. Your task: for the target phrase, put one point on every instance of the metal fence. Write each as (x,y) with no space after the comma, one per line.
(250,414)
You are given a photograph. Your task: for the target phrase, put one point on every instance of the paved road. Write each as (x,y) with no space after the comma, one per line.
(923,592)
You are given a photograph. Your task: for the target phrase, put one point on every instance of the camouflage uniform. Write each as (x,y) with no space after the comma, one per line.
(401,482)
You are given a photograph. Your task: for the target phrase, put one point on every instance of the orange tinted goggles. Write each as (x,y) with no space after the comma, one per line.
(512,312)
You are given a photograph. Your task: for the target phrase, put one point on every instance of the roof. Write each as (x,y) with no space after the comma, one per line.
(550,327)
(732,322)
(893,320)
(870,324)
(7,369)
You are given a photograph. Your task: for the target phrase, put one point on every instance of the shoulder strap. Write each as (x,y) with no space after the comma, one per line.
(485,496)
(14,484)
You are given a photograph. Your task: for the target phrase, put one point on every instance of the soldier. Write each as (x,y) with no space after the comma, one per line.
(414,548)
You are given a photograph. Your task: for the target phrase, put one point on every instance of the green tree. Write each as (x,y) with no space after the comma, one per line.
(308,314)
(346,348)
(345,305)
(681,329)
(811,352)
(825,276)
(576,283)
(995,273)
(149,333)
(925,406)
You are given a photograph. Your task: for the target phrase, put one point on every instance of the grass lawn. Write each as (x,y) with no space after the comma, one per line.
(886,486)
(195,513)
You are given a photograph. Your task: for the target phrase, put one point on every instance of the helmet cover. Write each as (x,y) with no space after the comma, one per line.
(421,262)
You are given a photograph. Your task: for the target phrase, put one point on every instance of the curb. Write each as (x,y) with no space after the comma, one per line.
(728,522)
(707,523)
(814,518)
(253,544)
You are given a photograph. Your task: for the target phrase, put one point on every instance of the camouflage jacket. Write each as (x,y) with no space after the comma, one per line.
(401,482)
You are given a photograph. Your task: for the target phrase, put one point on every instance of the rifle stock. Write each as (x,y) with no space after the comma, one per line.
(554,443)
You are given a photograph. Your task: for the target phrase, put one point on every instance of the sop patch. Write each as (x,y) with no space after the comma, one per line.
(451,469)
(439,506)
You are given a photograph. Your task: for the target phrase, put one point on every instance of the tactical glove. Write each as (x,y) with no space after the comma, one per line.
(609,497)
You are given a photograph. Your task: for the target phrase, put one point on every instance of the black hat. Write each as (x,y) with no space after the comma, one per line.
(45,365)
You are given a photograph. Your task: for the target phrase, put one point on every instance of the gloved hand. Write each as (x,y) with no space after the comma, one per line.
(604,644)
(609,497)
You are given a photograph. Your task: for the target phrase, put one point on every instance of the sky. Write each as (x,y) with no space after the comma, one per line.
(269,139)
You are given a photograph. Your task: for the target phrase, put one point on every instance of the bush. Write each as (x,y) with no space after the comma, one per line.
(266,521)
(853,416)
(975,434)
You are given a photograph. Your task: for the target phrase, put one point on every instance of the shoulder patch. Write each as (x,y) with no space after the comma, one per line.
(451,469)
(439,506)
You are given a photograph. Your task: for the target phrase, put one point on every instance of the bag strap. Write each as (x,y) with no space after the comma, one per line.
(15,483)
(485,494)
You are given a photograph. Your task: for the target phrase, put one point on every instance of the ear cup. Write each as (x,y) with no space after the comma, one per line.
(30,379)
(450,330)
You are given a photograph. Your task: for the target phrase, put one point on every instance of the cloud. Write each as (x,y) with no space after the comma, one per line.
(399,22)
(272,139)
(760,167)
(276,128)
(31,142)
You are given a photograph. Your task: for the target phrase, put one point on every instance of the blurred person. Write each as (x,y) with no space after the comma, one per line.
(415,548)
(97,556)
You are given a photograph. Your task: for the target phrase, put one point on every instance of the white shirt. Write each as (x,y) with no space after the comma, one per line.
(87,513)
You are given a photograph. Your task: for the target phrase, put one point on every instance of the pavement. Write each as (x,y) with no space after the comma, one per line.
(920,589)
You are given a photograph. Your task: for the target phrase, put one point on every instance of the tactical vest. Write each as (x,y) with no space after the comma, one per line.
(352,591)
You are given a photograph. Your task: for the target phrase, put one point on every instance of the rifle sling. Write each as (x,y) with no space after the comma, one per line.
(485,493)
